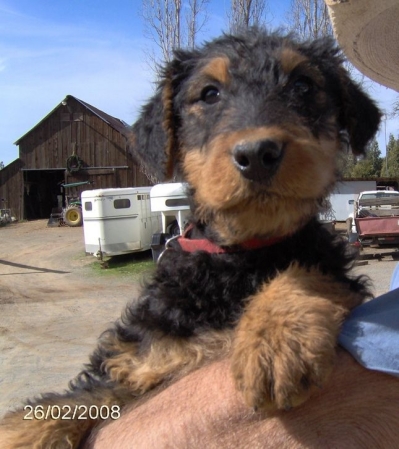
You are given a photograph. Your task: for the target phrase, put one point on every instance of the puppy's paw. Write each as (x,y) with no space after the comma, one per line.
(283,351)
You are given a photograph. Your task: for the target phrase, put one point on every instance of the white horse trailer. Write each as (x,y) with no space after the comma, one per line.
(171,200)
(118,221)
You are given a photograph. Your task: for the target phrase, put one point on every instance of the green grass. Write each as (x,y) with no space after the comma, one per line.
(133,265)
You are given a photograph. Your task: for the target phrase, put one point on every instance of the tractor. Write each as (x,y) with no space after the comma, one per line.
(71,214)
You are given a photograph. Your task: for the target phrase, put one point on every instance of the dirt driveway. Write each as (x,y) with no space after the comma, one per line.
(53,306)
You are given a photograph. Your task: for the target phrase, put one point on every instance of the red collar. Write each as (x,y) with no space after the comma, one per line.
(191,245)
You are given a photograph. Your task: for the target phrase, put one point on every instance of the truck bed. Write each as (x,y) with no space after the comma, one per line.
(377,226)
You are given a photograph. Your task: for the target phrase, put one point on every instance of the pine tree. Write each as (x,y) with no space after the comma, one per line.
(391,167)
(374,155)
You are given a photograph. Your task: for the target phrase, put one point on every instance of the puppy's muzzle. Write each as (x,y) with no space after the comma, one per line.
(258,161)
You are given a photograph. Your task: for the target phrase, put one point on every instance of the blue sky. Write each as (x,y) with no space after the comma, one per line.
(94,50)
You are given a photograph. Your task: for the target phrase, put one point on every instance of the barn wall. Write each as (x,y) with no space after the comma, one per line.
(11,188)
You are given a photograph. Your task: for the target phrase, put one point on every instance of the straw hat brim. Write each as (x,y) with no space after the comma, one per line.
(368,33)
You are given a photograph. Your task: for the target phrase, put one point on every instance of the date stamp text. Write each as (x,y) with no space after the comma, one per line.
(69,412)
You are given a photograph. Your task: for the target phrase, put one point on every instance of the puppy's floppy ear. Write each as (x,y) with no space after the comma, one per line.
(359,115)
(154,140)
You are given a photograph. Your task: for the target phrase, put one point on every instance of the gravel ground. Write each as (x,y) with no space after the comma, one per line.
(53,306)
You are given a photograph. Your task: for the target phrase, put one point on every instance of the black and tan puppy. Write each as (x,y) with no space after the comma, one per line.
(254,124)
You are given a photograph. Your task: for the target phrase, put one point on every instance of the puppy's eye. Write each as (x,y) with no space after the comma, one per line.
(210,95)
(303,85)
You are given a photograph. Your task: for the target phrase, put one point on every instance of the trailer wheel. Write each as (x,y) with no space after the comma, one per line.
(73,216)
(173,229)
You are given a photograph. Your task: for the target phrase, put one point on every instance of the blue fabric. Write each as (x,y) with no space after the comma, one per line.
(395,278)
(371,332)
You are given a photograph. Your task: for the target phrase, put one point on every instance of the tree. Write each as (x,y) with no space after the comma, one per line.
(346,164)
(196,20)
(395,109)
(391,167)
(170,25)
(246,13)
(1,165)
(309,19)
(371,165)
(374,156)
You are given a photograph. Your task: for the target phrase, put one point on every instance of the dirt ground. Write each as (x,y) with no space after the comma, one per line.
(54,305)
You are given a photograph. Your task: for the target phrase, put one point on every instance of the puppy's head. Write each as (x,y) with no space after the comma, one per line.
(253,123)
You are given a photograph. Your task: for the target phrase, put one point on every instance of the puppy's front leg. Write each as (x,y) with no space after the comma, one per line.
(285,342)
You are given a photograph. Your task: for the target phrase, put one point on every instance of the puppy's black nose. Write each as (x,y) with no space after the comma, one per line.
(259,160)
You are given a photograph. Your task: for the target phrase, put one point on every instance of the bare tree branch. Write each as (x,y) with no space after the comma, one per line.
(169,25)
(309,19)
(196,19)
(246,13)
(395,109)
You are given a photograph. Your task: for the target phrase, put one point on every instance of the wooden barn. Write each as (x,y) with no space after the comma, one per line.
(75,142)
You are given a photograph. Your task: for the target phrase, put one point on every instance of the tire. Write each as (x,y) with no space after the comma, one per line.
(73,216)
(173,229)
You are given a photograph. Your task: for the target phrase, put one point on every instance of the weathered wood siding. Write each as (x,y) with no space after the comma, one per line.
(12,188)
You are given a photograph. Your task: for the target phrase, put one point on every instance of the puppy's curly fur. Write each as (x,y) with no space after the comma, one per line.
(253,123)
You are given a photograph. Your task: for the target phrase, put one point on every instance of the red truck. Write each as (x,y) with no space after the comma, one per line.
(376,217)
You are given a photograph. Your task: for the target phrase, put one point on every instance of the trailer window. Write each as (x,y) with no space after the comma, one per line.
(88,205)
(123,203)
(177,202)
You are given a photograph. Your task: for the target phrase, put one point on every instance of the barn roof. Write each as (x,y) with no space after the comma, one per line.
(116,123)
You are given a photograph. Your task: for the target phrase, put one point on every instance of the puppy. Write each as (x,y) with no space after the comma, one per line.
(254,124)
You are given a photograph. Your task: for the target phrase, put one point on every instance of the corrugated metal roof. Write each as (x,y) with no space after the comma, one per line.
(116,123)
